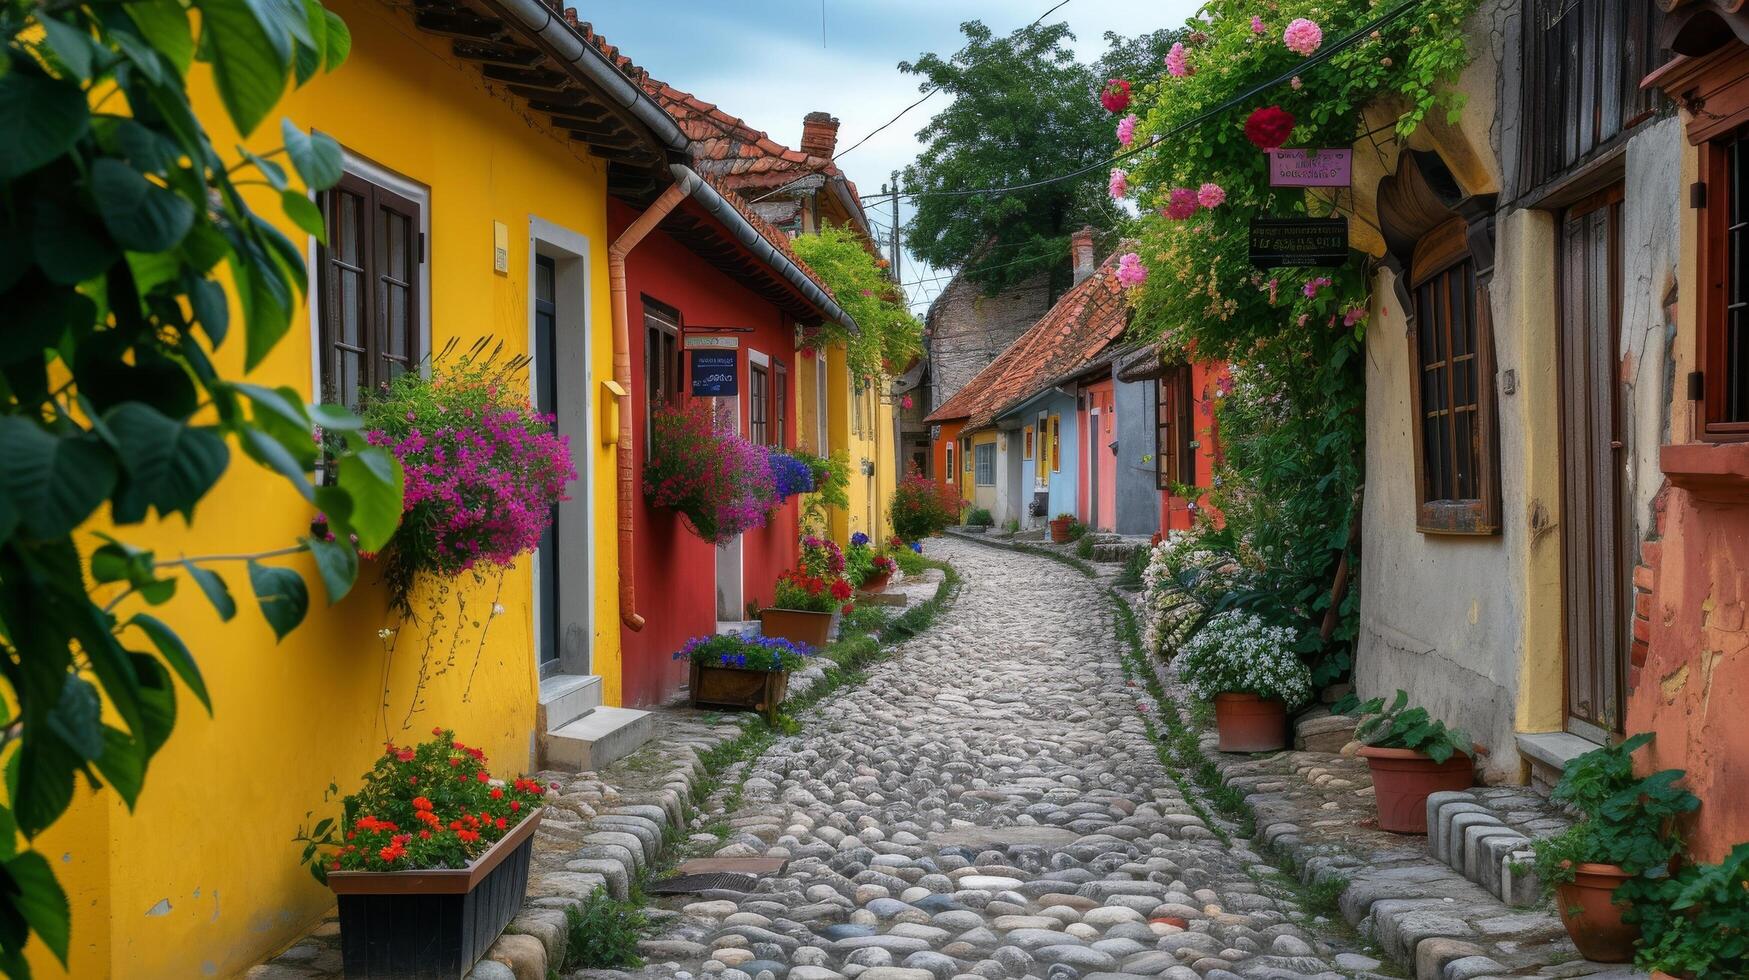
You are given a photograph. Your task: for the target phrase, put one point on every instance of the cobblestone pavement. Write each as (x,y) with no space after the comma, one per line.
(988,804)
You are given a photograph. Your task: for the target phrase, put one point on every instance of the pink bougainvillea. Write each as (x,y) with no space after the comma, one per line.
(1130,270)
(1120,184)
(1115,96)
(1268,127)
(1354,315)
(1181,203)
(1126,129)
(1303,37)
(1211,195)
(1310,289)
(1176,64)
(1295,83)
(1257,24)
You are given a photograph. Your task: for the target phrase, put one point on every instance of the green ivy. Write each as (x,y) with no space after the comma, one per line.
(1292,429)
(118,220)
(887,335)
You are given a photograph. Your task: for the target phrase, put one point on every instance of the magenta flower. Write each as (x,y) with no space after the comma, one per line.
(1130,270)
(1256,24)
(1120,184)
(1176,64)
(1303,37)
(1181,203)
(1126,129)
(1353,316)
(1211,195)
(1310,289)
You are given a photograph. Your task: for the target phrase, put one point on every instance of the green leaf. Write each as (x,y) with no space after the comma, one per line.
(78,718)
(266,304)
(268,451)
(315,155)
(72,45)
(170,465)
(164,25)
(282,595)
(249,58)
(373,478)
(71,244)
(175,653)
(40,900)
(308,57)
(336,418)
(142,216)
(304,214)
(338,564)
(215,589)
(212,308)
(339,40)
(55,482)
(157,701)
(41,118)
(123,764)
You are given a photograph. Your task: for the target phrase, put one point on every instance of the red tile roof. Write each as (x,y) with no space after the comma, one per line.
(771,232)
(1083,323)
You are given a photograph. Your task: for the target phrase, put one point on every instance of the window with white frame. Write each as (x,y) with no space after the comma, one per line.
(985,453)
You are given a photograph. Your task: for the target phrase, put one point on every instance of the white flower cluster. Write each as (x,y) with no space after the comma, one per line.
(1237,652)
(1173,602)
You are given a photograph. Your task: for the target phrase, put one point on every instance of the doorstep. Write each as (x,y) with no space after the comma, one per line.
(1549,753)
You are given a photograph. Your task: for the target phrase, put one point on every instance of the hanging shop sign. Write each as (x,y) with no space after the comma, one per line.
(1308,167)
(715,372)
(1298,242)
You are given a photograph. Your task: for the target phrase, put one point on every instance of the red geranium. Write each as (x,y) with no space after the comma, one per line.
(1269,127)
(1115,96)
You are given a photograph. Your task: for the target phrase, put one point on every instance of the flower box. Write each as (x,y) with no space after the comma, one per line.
(739,688)
(436,923)
(1060,529)
(812,629)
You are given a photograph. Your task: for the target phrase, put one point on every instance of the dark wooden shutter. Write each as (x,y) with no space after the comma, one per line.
(1174,429)
(398,255)
(1582,65)
(780,403)
(369,289)
(1595,537)
(757,403)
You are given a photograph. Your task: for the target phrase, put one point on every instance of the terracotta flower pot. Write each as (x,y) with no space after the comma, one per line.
(798,626)
(876,582)
(1402,780)
(1248,723)
(1592,918)
(1060,529)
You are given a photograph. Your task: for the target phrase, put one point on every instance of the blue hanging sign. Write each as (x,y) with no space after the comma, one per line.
(715,373)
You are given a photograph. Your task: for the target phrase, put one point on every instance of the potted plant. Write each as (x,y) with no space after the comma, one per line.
(741,672)
(428,861)
(1626,832)
(1060,525)
(1411,756)
(720,483)
(881,569)
(1248,668)
(1696,922)
(805,607)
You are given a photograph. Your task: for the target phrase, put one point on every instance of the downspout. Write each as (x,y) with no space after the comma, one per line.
(622,373)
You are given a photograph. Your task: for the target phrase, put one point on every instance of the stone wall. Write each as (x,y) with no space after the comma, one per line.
(968,328)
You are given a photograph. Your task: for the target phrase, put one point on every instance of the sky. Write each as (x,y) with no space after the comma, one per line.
(771,62)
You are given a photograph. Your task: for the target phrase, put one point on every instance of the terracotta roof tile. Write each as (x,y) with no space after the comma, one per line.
(1069,337)
(771,233)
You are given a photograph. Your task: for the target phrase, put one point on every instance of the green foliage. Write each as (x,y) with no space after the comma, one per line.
(887,335)
(1022,108)
(1696,923)
(1011,525)
(120,221)
(1077,531)
(980,517)
(1402,727)
(604,933)
(1626,820)
(1292,428)
(1133,567)
(922,507)
(831,489)
(1083,545)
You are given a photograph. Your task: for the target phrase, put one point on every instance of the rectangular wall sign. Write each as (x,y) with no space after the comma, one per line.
(714,373)
(1298,242)
(1310,168)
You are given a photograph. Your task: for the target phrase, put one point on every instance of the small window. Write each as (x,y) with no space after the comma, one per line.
(369,289)
(779,404)
(966,454)
(950,470)
(1056,444)
(1174,446)
(1724,307)
(662,355)
(986,463)
(856,408)
(1452,384)
(758,407)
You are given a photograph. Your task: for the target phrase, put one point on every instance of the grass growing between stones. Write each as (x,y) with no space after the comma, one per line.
(604,933)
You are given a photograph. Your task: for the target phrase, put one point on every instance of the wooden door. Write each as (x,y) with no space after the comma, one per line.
(1595,543)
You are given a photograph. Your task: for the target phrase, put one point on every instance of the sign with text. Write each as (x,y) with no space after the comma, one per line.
(715,373)
(1298,242)
(1310,168)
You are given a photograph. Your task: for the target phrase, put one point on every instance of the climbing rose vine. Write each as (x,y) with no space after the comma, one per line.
(1115,95)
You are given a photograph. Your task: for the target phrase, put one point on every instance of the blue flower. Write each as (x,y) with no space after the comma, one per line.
(858,539)
(917,546)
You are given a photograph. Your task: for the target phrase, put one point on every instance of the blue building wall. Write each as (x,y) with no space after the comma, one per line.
(1064,483)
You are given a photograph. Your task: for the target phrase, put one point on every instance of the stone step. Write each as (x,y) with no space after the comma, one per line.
(564,698)
(1485,834)
(1320,731)
(597,739)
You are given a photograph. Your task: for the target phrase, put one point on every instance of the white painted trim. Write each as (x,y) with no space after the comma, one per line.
(574,281)
(758,357)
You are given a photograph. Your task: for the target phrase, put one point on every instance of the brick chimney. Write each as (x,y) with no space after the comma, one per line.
(1081,251)
(819,134)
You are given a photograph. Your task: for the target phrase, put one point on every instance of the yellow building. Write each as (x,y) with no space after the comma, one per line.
(490,220)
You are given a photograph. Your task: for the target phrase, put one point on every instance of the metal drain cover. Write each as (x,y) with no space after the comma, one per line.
(689,884)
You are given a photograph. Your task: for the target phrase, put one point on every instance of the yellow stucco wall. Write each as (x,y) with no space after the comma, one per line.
(202,879)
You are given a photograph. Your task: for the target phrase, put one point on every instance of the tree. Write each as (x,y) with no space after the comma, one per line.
(116,215)
(1023,109)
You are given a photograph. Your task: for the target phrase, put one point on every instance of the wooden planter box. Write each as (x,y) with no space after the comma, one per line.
(798,626)
(738,688)
(423,925)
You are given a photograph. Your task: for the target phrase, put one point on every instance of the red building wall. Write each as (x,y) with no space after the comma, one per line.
(950,433)
(676,571)
(1205,380)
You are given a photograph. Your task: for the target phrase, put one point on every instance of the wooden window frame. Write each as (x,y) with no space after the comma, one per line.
(1174,429)
(758,403)
(951,472)
(978,462)
(1056,444)
(661,318)
(374,197)
(1026,440)
(780,404)
(1439,251)
(1713,262)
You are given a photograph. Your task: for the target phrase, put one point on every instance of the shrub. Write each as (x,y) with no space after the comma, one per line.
(1133,567)
(719,482)
(797,589)
(1626,820)
(1696,924)
(604,933)
(1011,525)
(980,517)
(862,562)
(431,806)
(922,507)
(1239,653)
(831,475)
(1413,729)
(483,469)
(748,652)
(821,558)
(1084,547)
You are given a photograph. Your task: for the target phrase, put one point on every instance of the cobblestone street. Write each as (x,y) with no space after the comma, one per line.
(988,803)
